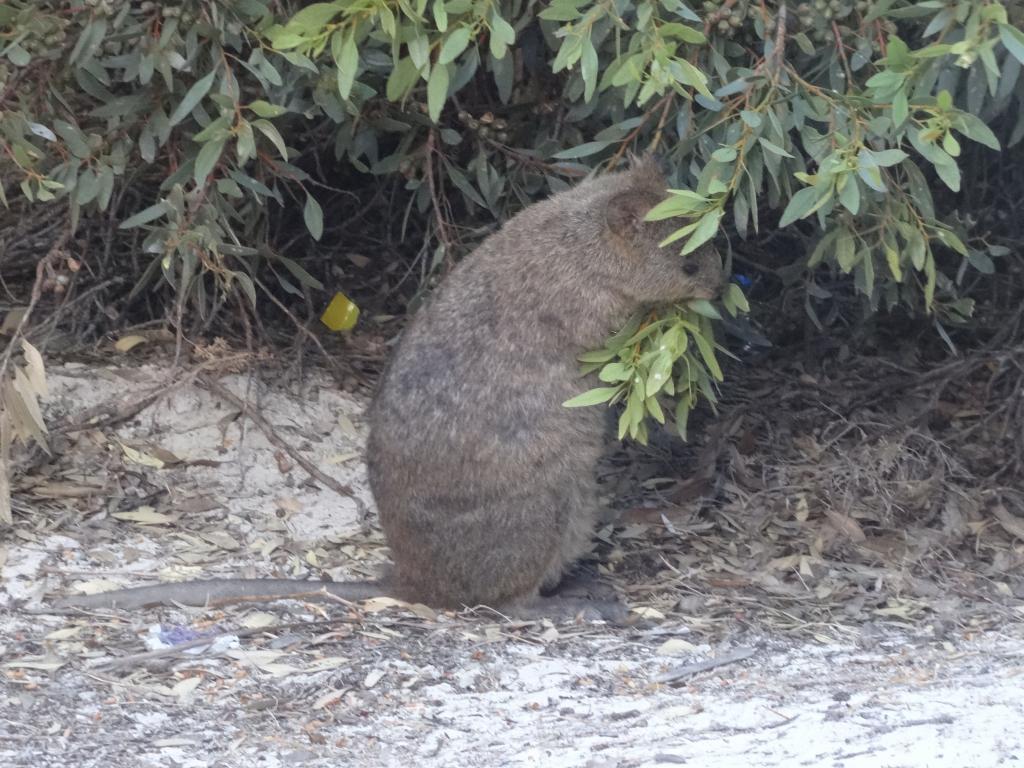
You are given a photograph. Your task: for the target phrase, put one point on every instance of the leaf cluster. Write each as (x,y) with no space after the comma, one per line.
(846,122)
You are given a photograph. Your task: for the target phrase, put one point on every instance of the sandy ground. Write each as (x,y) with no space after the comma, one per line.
(186,489)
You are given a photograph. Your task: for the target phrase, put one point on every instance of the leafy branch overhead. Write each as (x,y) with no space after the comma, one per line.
(846,123)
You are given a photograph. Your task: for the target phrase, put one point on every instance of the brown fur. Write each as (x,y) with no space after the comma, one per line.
(484,481)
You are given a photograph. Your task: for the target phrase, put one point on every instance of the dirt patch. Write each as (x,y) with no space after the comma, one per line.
(844,661)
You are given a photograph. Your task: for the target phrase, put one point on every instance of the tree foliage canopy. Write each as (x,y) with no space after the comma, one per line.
(848,122)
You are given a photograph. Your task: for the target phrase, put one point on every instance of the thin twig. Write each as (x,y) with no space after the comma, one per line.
(442,223)
(688,670)
(37,292)
(775,65)
(842,54)
(271,435)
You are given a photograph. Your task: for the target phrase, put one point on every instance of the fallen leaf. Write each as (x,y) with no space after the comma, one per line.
(11,320)
(846,525)
(341,458)
(127,343)
(648,613)
(145,515)
(63,634)
(331,697)
(675,646)
(183,690)
(43,664)
(328,662)
(219,539)
(144,459)
(94,586)
(258,620)
(1010,523)
(378,604)
(348,429)
(34,369)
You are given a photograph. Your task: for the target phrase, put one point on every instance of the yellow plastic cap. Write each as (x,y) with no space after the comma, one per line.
(341,314)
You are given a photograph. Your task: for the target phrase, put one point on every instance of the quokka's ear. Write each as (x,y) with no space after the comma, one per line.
(646,169)
(625,211)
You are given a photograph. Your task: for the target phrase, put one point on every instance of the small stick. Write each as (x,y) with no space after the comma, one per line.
(778,54)
(339,488)
(688,670)
(37,293)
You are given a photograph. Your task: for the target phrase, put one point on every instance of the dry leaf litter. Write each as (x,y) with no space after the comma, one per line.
(817,588)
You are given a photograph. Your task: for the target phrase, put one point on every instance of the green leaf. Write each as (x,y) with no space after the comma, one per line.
(144,216)
(245,142)
(735,294)
(454,45)
(951,145)
(887,157)
(192,97)
(694,77)
(592,397)
(73,137)
(951,240)
(706,229)
(440,16)
(849,196)
(654,409)
(900,108)
(846,255)
(402,79)
(313,215)
(314,17)
(588,69)
(1013,39)
(893,258)
(300,274)
(802,204)
(207,158)
(869,171)
(18,56)
(247,286)
(705,308)
(724,154)
(974,129)
(88,186)
(437,91)
(346,58)
(774,148)
(916,248)
(582,150)
(708,354)
(268,130)
(219,128)
(502,36)
(981,262)
(615,372)
(752,119)
(818,254)
(950,175)
(597,356)
(683,409)
(930,280)
(864,278)
(266,109)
